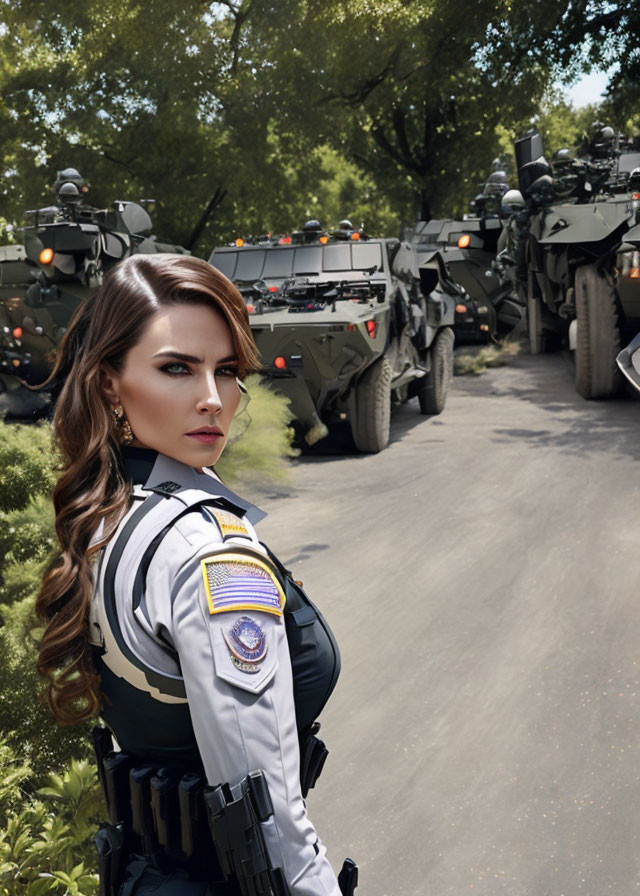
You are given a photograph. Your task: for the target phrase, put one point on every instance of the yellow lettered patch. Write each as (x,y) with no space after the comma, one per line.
(229,523)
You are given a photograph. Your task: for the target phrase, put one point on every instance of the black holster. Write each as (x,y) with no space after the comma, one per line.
(313,755)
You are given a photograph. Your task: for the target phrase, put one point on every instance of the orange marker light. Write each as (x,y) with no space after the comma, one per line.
(273,289)
(371,328)
(355,235)
(46,256)
(285,240)
(324,239)
(280,363)
(239,242)
(464,241)
(461,309)
(635,273)
(636,196)
(250,309)
(15,362)
(17,332)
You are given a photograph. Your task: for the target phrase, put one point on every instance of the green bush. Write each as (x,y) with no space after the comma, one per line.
(46,836)
(473,364)
(260,440)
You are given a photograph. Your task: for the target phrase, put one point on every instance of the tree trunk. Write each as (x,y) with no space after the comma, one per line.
(216,200)
(425,208)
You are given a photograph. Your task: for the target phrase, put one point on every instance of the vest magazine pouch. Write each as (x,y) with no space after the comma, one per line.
(165,810)
(110,844)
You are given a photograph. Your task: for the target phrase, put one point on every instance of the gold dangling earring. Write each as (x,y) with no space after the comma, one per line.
(125,433)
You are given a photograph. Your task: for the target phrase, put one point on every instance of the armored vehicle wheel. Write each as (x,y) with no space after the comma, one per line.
(370,422)
(434,386)
(598,335)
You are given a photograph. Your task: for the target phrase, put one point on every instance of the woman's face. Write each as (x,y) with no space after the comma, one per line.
(178,384)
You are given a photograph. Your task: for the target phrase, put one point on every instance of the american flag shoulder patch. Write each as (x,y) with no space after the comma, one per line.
(238,582)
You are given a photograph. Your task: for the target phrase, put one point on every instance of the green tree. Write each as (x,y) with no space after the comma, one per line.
(415,93)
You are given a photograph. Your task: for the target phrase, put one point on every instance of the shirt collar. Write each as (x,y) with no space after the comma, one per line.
(167,470)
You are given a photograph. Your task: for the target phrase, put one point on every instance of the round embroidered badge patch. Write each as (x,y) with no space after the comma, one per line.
(247,644)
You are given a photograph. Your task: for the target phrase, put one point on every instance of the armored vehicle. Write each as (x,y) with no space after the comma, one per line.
(578,256)
(68,249)
(474,252)
(27,336)
(339,334)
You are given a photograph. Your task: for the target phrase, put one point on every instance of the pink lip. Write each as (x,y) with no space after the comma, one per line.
(206,434)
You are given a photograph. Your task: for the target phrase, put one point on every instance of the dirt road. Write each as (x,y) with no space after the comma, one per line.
(481,575)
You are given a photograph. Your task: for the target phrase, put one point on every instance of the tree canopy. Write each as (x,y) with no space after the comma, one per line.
(246,116)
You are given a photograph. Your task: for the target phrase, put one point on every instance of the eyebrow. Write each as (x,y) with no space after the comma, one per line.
(192,358)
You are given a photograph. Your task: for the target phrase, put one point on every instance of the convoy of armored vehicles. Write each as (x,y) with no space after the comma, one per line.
(347,324)
(578,253)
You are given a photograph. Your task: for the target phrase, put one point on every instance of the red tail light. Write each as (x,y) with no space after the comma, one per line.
(372,326)
(280,363)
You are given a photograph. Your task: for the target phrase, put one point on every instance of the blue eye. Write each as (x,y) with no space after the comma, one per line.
(175,368)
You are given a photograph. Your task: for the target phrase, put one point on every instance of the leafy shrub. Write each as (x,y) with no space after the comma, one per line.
(499,355)
(260,440)
(46,848)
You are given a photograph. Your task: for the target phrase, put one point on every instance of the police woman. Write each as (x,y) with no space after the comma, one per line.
(165,615)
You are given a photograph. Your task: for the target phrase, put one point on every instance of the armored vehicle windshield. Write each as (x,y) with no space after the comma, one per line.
(275,263)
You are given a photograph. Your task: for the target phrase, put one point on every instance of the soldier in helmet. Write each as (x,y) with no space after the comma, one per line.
(69,186)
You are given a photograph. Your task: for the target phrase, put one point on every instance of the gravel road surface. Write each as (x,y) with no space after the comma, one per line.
(481,575)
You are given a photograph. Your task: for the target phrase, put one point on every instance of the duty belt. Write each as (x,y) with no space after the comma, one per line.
(175,819)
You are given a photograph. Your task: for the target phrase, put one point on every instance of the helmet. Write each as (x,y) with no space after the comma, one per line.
(70,176)
(311,226)
(512,202)
(69,193)
(345,224)
(562,155)
(497,184)
(602,140)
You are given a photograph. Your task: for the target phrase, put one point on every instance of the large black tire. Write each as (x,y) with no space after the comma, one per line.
(371,417)
(433,387)
(598,335)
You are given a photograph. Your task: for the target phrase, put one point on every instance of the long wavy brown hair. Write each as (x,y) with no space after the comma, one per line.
(92,489)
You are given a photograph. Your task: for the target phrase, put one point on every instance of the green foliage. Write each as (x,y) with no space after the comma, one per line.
(26,465)
(474,363)
(563,126)
(260,439)
(235,136)
(46,846)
